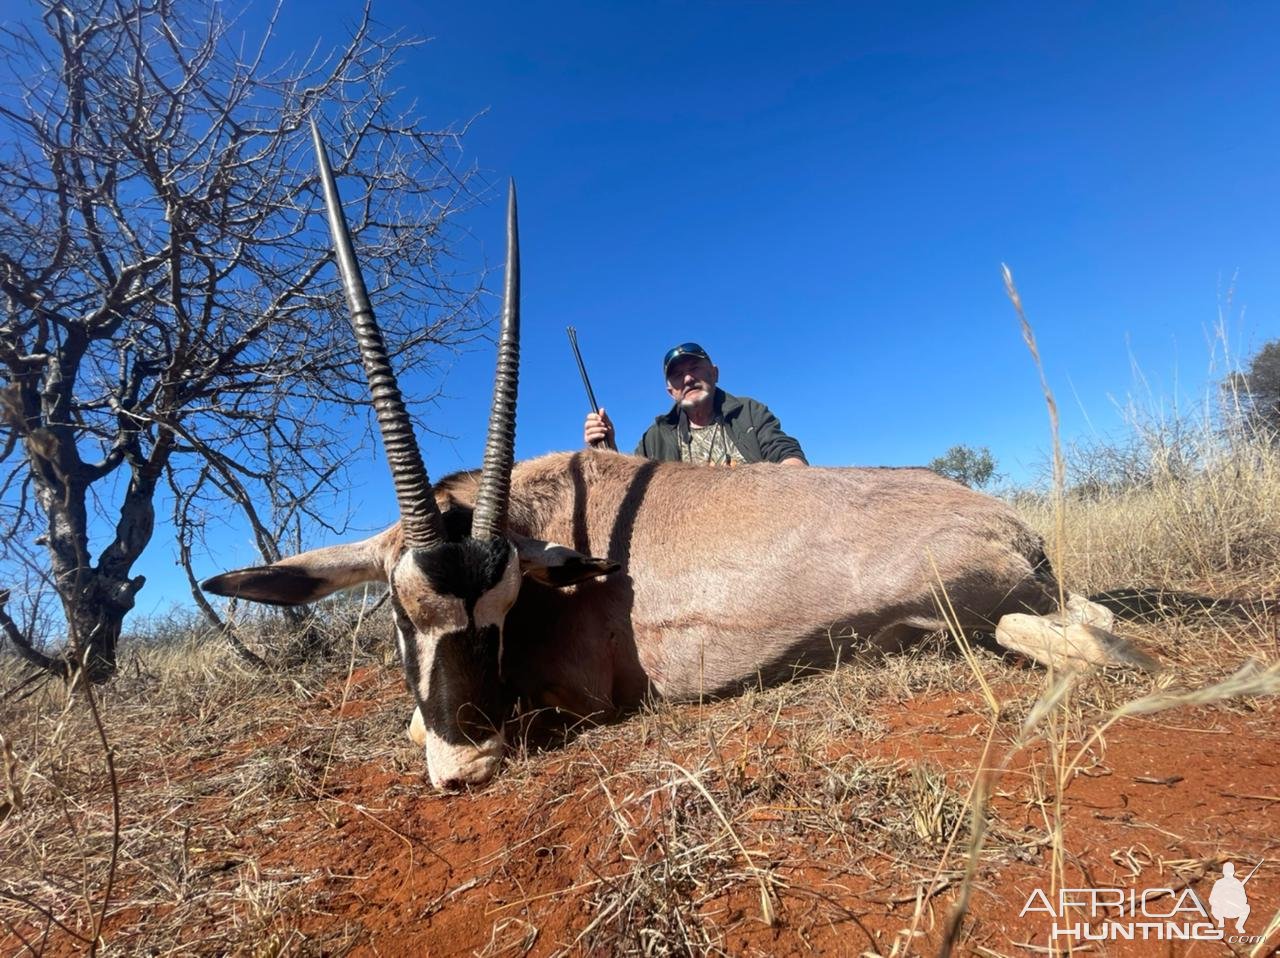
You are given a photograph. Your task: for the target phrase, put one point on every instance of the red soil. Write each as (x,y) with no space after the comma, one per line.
(417,873)
(386,867)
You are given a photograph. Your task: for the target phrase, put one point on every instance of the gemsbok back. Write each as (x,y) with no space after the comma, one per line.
(587,581)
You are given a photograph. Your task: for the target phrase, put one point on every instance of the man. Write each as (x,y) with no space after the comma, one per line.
(706,424)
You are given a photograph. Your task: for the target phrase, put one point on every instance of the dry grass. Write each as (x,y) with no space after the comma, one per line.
(884,801)
(690,828)
(199,744)
(1207,519)
(717,816)
(1178,504)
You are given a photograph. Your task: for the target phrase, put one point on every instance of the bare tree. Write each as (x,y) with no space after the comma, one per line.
(165,306)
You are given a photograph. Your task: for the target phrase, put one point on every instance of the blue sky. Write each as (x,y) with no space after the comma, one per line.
(822,195)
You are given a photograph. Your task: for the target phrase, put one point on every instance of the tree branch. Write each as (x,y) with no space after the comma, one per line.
(23,646)
(163,271)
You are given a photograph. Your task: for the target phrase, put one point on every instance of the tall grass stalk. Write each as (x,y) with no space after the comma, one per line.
(1182,504)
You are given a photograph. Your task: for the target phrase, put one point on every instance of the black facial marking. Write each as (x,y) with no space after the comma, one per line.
(406,638)
(466,569)
(457,523)
(466,701)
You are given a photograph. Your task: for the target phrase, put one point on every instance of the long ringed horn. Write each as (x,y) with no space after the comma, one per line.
(419,513)
(494,494)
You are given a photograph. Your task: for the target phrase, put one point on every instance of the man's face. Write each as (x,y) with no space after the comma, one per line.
(691,381)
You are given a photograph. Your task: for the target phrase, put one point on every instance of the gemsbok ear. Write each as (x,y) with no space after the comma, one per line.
(557,565)
(270,585)
(308,576)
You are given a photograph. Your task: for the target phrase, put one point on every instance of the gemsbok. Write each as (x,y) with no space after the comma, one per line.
(587,581)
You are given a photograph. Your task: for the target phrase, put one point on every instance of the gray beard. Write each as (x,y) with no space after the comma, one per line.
(687,404)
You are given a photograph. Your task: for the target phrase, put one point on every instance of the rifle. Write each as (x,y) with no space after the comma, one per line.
(586,381)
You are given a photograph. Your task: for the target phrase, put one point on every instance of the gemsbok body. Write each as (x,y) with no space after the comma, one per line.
(588,581)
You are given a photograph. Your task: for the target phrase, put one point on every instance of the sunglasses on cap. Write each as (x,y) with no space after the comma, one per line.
(678,352)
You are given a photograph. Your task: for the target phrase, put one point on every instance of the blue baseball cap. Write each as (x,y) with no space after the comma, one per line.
(678,352)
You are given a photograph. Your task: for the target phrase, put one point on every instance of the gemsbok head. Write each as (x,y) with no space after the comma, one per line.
(451,586)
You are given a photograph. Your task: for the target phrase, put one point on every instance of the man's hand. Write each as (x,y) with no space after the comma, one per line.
(598,429)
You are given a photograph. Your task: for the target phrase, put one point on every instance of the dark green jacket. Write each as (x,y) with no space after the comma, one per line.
(753,429)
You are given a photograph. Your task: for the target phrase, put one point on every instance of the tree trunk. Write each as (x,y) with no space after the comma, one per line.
(96,615)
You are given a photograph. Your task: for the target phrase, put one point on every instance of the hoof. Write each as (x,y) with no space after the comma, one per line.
(1074,645)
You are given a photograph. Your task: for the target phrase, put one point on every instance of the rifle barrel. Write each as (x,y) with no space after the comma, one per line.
(586,380)
(582,368)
